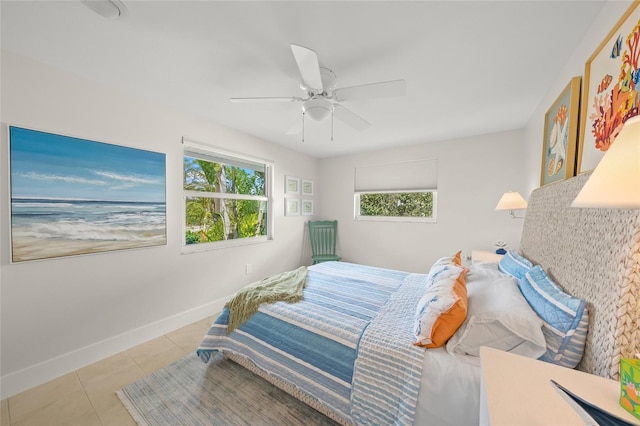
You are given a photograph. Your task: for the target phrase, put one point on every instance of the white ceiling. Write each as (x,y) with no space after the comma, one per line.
(471,67)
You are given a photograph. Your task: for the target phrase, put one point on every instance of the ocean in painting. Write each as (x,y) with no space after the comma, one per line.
(45,228)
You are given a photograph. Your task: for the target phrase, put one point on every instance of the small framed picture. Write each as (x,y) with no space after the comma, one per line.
(307,187)
(307,207)
(291,185)
(291,207)
(561,135)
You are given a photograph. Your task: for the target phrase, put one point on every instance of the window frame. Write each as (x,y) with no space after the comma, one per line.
(432,219)
(190,148)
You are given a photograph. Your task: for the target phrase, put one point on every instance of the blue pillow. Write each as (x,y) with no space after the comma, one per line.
(565,318)
(514,264)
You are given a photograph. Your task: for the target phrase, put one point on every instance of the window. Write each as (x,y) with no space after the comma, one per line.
(404,191)
(227,197)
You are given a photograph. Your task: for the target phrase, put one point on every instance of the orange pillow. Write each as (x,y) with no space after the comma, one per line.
(442,309)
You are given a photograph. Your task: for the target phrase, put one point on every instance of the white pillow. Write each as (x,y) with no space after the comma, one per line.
(445,264)
(498,317)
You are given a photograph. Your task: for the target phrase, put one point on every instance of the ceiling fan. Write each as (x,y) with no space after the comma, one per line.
(323,98)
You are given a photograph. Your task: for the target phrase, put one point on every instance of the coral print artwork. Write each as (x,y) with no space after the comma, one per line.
(612,89)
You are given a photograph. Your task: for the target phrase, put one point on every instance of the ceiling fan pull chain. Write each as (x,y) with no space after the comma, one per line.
(332,124)
(302,126)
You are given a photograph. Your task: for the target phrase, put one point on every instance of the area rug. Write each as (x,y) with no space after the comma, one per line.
(221,392)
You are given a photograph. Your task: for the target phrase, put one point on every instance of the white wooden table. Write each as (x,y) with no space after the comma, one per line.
(516,390)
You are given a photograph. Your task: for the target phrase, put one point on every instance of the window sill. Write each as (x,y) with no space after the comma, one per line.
(396,219)
(197,248)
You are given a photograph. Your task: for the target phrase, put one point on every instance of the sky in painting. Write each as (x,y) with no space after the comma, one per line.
(44,165)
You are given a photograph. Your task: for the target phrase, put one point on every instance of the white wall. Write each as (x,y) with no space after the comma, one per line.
(606,20)
(58,315)
(473,174)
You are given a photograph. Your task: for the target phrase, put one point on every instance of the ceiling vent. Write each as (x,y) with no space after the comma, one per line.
(106,8)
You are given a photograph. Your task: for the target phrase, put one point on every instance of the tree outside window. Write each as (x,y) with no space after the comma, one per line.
(396,206)
(225,198)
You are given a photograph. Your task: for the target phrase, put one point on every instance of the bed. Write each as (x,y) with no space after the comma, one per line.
(359,364)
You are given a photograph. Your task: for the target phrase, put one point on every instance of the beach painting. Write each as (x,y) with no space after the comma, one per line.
(72,196)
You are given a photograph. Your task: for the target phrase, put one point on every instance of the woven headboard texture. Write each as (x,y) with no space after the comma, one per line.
(593,254)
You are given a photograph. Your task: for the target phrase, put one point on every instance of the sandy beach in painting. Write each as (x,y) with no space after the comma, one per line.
(30,248)
(45,228)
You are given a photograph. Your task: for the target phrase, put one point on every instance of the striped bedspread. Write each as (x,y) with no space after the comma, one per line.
(386,379)
(349,312)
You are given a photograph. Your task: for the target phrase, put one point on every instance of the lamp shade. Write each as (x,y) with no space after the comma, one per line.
(615,182)
(511,201)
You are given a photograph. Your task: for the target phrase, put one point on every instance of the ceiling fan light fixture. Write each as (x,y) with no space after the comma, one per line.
(317,108)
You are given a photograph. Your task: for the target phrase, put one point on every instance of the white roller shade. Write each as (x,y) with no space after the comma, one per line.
(404,176)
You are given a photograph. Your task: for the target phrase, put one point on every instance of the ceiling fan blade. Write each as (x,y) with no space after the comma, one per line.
(309,67)
(349,117)
(267,99)
(383,89)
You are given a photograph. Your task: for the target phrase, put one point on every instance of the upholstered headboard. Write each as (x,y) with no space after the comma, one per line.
(593,254)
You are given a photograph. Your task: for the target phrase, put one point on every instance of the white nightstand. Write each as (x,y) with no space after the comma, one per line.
(485,256)
(516,390)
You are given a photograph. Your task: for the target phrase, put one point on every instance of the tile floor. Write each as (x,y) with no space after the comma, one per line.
(86,397)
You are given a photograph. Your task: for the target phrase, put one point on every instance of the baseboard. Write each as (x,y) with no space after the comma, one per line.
(27,378)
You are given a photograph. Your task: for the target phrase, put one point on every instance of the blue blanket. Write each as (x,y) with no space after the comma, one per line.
(314,343)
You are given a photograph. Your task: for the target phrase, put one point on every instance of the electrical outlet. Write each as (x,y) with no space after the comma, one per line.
(248,268)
